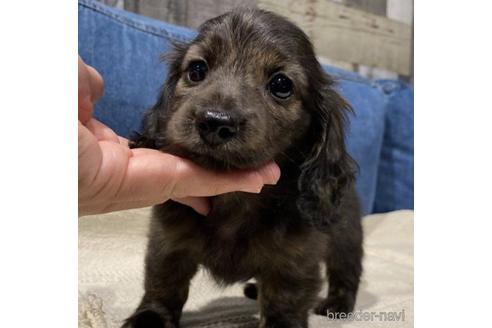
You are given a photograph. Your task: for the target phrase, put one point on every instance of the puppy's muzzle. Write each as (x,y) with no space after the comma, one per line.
(216,127)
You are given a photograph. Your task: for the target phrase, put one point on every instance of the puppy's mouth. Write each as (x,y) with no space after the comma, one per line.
(217,140)
(217,157)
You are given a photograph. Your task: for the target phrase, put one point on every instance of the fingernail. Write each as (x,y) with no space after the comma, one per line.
(270,173)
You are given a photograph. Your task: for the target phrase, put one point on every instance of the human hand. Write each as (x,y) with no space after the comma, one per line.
(114,177)
(90,90)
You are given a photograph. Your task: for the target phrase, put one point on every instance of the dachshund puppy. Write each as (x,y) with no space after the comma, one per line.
(248,90)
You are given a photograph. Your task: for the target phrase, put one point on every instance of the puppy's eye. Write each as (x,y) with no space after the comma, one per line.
(197,70)
(280,86)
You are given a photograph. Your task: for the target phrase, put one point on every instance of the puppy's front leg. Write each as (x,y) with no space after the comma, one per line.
(285,298)
(344,267)
(167,280)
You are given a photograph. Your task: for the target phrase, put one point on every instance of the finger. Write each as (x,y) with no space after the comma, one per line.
(153,177)
(84,95)
(191,180)
(199,204)
(101,131)
(90,86)
(148,177)
(90,158)
(96,83)
(270,173)
(85,110)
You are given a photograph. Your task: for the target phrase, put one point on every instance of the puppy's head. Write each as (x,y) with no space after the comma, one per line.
(244,92)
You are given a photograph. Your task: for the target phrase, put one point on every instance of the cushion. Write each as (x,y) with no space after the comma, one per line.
(125,48)
(394,188)
(364,131)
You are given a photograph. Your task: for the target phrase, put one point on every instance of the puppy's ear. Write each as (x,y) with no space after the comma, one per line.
(328,169)
(152,134)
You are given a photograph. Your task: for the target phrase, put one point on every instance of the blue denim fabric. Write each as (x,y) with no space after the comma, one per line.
(395,179)
(125,48)
(364,135)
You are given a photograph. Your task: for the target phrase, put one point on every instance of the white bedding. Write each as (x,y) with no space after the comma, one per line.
(112,248)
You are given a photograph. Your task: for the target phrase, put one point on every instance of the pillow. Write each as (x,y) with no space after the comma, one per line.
(364,131)
(125,48)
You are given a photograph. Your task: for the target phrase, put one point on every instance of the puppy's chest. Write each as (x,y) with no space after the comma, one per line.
(229,260)
(238,236)
(230,226)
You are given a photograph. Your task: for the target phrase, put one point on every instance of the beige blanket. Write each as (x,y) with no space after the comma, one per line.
(111,252)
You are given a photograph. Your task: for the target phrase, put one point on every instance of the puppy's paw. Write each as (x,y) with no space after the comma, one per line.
(336,307)
(148,318)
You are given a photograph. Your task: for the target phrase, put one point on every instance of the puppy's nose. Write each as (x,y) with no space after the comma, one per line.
(216,127)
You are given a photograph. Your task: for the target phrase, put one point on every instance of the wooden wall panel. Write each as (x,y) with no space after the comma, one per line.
(400,10)
(372,37)
(347,34)
(202,10)
(377,7)
(171,11)
(190,13)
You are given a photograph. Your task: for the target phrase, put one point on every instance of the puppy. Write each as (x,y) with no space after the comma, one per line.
(246,91)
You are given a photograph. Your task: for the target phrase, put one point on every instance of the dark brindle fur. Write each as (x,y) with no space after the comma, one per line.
(281,235)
